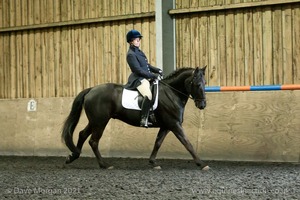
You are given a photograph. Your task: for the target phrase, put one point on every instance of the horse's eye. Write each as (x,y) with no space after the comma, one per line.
(198,84)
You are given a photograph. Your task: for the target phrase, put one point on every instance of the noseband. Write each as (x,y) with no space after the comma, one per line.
(195,100)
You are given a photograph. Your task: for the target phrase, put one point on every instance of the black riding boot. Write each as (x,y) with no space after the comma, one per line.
(145,112)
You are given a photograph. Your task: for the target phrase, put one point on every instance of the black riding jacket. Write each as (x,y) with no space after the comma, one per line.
(140,68)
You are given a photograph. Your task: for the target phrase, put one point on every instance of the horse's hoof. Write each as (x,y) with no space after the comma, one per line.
(157,167)
(206,168)
(68,160)
(72,157)
(110,167)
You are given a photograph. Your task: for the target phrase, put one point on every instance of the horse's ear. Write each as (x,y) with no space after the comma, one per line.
(204,68)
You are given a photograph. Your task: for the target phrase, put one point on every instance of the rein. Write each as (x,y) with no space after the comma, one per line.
(177,90)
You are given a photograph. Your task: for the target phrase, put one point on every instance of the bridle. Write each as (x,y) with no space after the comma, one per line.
(166,84)
(188,96)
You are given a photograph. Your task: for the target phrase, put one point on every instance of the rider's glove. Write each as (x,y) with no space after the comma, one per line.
(159,77)
(160,72)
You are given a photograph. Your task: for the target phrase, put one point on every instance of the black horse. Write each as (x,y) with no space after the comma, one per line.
(103,102)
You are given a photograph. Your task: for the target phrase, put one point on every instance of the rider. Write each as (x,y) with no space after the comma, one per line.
(141,73)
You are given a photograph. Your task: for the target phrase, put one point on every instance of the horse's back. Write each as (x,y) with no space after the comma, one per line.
(105,90)
(103,96)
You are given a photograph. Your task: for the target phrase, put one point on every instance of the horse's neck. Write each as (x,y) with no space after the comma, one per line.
(180,80)
(178,83)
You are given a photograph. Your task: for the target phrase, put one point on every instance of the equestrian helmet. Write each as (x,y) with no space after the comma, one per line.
(132,35)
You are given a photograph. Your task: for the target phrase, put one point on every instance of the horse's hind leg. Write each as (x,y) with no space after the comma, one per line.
(83,135)
(94,142)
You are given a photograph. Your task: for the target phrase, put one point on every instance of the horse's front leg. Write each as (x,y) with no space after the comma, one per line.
(179,133)
(162,133)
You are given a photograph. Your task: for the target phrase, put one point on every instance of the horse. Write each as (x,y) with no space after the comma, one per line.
(103,102)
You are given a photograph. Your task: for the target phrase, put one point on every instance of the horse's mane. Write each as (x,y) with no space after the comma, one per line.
(176,73)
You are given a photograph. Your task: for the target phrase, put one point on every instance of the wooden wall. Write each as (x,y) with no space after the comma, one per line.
(243,42)
(53,48)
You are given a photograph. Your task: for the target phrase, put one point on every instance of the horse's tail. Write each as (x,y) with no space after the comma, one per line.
(72,121)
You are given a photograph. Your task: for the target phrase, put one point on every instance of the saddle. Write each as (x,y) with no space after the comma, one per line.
(132,99)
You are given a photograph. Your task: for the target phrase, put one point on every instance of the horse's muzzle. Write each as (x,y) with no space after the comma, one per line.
(201,104)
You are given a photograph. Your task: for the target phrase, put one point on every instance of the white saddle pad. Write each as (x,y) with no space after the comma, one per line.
(130,100)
